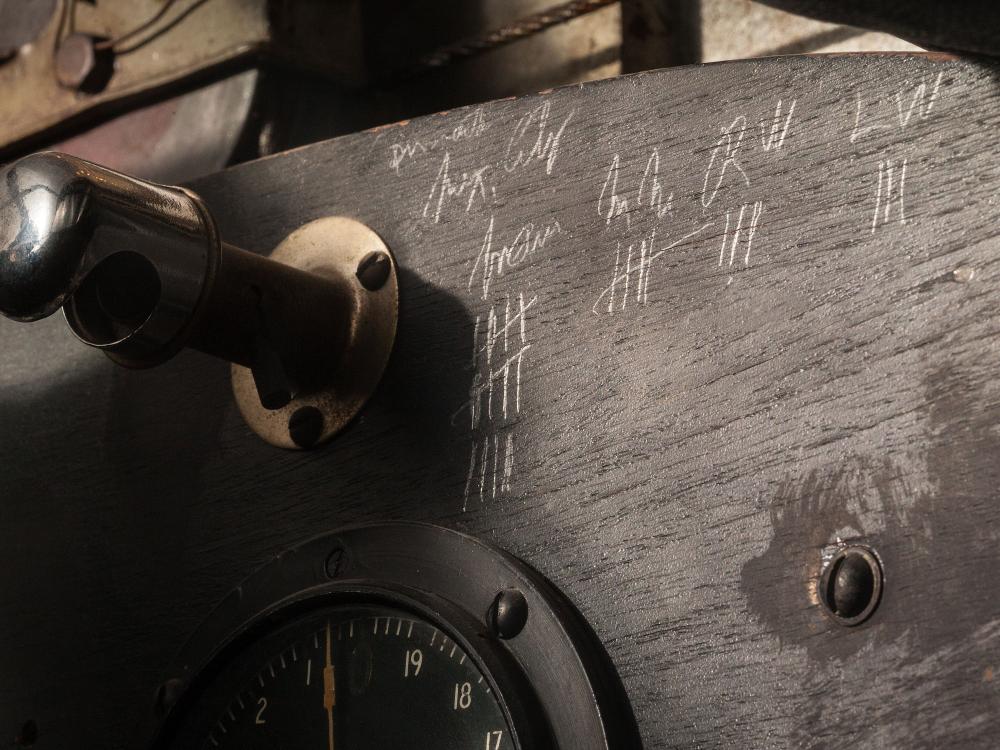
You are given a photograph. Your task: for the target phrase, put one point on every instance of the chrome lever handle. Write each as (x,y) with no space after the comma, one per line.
(61,216)
(140,273)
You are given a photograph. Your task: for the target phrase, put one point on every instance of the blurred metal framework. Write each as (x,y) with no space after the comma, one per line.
(198,84)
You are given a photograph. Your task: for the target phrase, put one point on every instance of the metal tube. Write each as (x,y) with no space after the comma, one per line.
(140,273)
(258,307)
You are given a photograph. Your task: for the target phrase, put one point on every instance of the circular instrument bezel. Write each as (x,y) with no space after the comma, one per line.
(506,681)
(553,680)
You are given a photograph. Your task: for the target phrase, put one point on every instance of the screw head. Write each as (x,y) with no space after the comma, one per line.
(508,614)
(305,426)
(851,585)
(336,562)
(166,696)
(81,66)
(373,270)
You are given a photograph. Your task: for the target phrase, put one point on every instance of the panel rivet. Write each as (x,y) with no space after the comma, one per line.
(335,562)
(850,586)
(166,696)
(373,270)
(305,426)
(81,64)
(508,613)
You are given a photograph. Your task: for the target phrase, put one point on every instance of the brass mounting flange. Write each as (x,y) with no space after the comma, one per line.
(141,272)
(354,257)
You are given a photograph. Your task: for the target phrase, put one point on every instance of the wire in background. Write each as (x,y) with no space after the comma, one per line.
(523,27)
(67,26)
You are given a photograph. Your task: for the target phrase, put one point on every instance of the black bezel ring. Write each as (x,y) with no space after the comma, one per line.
(553,679)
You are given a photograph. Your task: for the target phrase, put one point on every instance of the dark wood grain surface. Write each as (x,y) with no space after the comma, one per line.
(665,337)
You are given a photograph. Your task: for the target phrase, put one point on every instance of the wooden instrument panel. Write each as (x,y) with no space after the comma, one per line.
(668,338)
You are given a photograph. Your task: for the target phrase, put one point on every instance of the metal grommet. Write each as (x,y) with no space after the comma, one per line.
(353,256)
(850,586)
(508,614)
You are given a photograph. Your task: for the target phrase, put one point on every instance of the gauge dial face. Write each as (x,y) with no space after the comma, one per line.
(350,677)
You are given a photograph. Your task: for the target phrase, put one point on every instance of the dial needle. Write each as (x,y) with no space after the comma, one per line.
(329,689)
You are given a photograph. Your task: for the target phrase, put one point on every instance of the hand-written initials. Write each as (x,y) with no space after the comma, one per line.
(727,153)
(491,264)
(522,150)
(613,203)
(470,185)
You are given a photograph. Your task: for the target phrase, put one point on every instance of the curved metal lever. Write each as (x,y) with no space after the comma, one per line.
(140,273)
(60,216)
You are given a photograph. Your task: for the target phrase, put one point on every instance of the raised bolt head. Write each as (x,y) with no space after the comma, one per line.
(166,696)
(335,562)
(508,614)
(373,270)
(81,66)
(305,426)
(851,585)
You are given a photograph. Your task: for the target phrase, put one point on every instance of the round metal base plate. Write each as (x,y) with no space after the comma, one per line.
(333,246)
